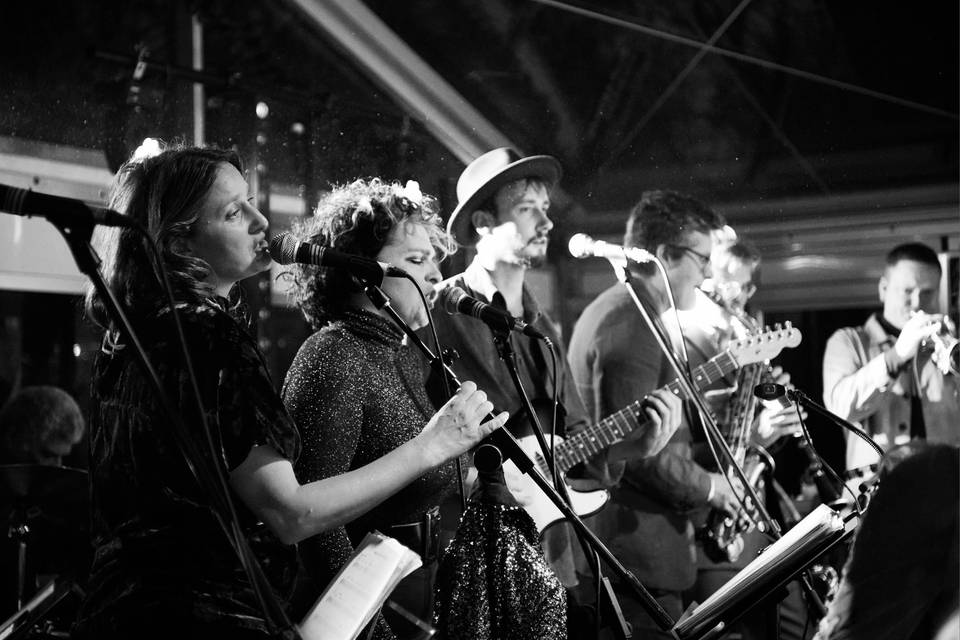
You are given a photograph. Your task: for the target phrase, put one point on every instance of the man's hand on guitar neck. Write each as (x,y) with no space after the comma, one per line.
(664,411)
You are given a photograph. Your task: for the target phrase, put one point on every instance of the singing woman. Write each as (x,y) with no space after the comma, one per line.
(355,387)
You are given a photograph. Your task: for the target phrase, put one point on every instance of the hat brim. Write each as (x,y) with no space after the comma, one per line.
(460,225)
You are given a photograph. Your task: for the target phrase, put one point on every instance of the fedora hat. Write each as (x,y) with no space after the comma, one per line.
(485,175)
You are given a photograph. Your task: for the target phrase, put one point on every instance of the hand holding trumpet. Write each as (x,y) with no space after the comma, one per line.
(934,329)
(918,328)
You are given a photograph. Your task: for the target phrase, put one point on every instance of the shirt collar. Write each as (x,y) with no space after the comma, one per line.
(887,326)
(876,331)
(479,281)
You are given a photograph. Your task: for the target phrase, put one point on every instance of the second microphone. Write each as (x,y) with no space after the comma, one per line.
(455,300)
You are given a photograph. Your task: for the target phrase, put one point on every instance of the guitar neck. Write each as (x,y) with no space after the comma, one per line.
(583,445)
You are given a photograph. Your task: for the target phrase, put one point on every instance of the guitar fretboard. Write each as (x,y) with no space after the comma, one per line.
(585,444)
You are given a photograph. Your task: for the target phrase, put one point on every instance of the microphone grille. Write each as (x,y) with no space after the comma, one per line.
(450,297)
(580,245)
(283,248)
(769,391)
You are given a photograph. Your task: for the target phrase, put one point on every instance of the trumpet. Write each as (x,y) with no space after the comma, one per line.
(946,348)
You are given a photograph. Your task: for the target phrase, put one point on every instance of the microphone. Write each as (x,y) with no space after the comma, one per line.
(772,391)
(285,249)
(59,210)
(455,300)
(583,246)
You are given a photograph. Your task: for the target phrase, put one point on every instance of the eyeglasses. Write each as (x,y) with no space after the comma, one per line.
(702,259)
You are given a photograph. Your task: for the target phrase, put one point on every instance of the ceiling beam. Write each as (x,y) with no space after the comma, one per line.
(414,84)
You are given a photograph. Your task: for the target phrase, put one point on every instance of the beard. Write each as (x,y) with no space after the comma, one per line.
(532,255)
(534,262)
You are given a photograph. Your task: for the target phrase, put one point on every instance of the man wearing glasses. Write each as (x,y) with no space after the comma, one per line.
(615,360)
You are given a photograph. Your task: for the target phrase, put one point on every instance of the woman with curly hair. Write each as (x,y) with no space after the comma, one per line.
(356,388)
(163,567)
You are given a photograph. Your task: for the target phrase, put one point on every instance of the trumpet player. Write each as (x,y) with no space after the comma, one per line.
(883,374)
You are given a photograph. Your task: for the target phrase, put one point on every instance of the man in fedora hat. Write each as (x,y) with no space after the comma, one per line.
(503,211)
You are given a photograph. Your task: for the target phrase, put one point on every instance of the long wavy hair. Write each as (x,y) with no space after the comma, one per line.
(356,218)
(165,193)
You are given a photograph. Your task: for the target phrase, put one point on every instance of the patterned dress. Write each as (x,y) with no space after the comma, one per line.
(162,563)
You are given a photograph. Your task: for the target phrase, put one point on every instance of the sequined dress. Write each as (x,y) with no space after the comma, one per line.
(356,393)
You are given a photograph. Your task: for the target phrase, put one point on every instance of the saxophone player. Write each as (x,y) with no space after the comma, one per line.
(721,313)
(719,316)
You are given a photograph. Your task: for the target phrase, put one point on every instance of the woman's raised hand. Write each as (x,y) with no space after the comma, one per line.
(457,426)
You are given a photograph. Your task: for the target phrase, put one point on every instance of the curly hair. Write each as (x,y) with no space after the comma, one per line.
(356,218)
(165,194)
(666,217)
(35,421)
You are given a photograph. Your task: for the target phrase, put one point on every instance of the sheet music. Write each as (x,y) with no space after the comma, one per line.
(359,590)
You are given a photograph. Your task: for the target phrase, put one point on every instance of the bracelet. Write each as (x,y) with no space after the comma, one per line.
(713,490)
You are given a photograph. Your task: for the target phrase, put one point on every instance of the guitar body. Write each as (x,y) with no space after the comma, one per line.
(536,503)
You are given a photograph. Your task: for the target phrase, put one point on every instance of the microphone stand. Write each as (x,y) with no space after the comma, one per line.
(713,432)
(812,405)
(78,236)
(501,338)
(763,520)
(507,447)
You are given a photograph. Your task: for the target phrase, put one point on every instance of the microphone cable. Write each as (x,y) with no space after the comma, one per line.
(448,392)
(833,474)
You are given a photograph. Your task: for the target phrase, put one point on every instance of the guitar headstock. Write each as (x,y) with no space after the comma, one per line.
(765,345)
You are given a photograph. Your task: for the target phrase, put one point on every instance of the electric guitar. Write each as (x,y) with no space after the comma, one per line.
(583,445)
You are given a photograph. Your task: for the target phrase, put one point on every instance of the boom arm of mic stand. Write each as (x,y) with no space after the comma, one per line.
(820,410)
(623,274)
(501,338)
(509,446)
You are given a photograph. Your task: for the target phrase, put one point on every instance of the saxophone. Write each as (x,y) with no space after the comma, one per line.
(722,535)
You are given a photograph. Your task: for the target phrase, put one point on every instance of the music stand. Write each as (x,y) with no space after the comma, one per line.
(819,531)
